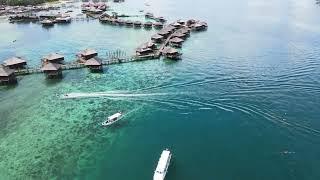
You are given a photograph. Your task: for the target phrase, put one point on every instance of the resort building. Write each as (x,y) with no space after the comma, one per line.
(7,76)
(171,53)
(52,70)
(94,64)
(148,24)
(53,58)
(88,54)
(176,42)
(157,38)
(15,63)
(158,25)
(179,35)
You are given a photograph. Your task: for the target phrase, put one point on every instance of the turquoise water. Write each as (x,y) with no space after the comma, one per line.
(242,104)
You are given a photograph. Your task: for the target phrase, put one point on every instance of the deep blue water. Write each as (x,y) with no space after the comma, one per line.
(243,103)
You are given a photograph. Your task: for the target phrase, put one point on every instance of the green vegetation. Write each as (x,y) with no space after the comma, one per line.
(23,2)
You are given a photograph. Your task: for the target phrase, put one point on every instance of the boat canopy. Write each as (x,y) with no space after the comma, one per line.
(114,116)
(162,164)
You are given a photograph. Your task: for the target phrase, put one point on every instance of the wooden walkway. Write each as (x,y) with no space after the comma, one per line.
(75,65)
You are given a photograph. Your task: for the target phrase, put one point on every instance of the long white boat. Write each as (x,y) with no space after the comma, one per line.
(163,164)
(112,119)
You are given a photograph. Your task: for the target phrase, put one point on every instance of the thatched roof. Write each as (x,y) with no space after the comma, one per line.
(14,61)
(88,52)
(137,23)
(178,34)
(163,32)
(176,40)
(5,72)
(147,45)
(169,50)
(148,23)
(53,57)
(93,62)
(157,24)
(142,50)
(51,67)
(157,36)
(185,30)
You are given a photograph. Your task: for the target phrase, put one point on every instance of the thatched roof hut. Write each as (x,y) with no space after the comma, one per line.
(148,24)
(94,64)
(179,35)
(52,70)
(137,24)
(53,58)
(88,53)
(171,53)
(158,25)
(176,42)
(15,63)
(157,38)
(7,76)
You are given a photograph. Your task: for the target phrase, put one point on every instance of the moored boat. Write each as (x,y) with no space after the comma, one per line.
(163,164)
(112,119)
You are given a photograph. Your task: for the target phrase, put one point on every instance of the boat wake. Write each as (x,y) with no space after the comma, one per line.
(107,94)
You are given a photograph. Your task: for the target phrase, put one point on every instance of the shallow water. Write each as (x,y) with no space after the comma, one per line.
(242,104)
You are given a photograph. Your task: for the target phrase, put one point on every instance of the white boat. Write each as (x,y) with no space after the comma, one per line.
(112,119)
(163,164)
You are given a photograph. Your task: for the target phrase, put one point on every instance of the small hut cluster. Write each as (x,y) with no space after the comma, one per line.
(7,75)
(94,8)
(169,38)
(52,65)
(89,57)
(115,20)
(7,70)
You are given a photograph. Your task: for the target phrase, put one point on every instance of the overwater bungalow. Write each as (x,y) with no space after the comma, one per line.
(161,19)
(120,22)
(171,53)
(176,42)
(200,26)
(142,52)
(88,54)
(129,23)
(149,15)
(179,35)
(105,19)
(158,25)
(170,28)
(94,64)
(149,44)
(53,58)
(176,25)
(191,22)
(148,25)
(185,30)
(137,24)
(52,70)
(47,22)
(15,63)
(181,22)
(7,76)
(164,33)
(23,18)
(157,38)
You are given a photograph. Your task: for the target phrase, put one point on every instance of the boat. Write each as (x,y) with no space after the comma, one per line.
(47,22)
(112,119)
(163,164)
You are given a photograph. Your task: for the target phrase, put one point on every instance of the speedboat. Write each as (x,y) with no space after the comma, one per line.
(163,164)
(112,119)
